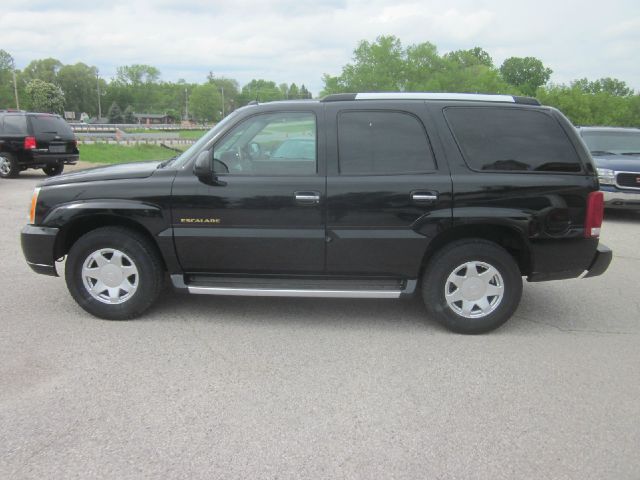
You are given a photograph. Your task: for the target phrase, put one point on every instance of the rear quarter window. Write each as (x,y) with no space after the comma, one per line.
(15,125)
(497,139)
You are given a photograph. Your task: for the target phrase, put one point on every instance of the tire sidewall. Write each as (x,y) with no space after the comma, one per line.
(53,170)
(13,164)
(437,274)
(131,246)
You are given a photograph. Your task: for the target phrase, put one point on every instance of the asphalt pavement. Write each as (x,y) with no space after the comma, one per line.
(251,388)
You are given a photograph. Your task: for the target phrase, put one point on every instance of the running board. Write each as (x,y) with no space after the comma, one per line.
(259,287)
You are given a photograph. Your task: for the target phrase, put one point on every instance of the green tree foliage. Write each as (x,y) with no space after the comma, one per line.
(7,98)
(205,103)
(611,86)
(78,82)
(44,97)
(46,70)
(115,114)
(127,115)
(528,73)
(260,90)
(385,65)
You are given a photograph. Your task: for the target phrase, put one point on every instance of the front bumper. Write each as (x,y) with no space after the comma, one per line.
(38,245)
(615,198)
(600,262)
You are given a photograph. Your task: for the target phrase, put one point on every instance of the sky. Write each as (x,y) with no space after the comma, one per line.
(300,40)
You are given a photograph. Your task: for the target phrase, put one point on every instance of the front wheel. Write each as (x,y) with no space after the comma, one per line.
(53,170)
(114,273)
(472,286)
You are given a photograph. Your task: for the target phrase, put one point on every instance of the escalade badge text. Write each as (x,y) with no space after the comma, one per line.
(200,220)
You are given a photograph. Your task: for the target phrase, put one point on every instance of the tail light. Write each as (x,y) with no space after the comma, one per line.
(29,143)
(595,213)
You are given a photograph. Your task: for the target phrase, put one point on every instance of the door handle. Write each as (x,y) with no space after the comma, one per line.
(424,197)
(307,198)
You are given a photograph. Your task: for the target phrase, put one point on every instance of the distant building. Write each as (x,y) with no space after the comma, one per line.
(70,116)
(152,118)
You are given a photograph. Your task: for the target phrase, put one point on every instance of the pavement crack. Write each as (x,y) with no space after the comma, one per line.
(577,330)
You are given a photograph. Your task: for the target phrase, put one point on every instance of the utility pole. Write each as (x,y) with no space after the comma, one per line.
(98,88)
(186,105)
(222,90)
(15,84)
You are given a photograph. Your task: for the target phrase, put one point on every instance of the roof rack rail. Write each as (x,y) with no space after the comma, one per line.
(474,97)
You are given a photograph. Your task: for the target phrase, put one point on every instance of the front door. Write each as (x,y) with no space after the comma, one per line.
(266,214)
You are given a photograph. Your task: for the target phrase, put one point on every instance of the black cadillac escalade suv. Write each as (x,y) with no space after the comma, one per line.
(454,196)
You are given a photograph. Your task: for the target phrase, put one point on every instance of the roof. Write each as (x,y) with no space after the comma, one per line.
(609,129)
(150,115)
(474,97)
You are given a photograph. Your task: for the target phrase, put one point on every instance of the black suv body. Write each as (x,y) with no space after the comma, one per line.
(455,196)
(35,140)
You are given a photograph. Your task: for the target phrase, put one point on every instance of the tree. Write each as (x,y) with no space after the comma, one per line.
(304,93)
(44,97)
(79,85)
(378,66)
(611,86)
(137,74)
(528,73)
(7,98)
(127,115)
(205,103)
(115,114)
(260,90)
(45,69)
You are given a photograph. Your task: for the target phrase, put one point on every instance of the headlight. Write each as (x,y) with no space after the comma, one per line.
(606,176)
(34,202)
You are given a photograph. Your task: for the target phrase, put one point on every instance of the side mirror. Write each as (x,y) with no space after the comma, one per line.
(203,169)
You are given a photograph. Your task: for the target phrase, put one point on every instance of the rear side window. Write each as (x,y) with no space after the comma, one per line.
(510,139)
(15,125)
(48,124)
(376,142)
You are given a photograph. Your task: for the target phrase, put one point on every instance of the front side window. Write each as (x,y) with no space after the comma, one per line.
(281,143)
(511,139)
(382,142)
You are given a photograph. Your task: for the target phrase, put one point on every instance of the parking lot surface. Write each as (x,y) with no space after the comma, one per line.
(251,388)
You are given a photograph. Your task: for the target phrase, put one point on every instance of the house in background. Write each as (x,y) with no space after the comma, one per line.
(152,118)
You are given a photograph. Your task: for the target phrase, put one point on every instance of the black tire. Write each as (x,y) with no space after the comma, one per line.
(448,262)
(53,170)
(149,277)
(9,167)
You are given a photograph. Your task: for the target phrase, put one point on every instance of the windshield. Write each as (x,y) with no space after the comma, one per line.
(183,158)
(612,143)
(50,124)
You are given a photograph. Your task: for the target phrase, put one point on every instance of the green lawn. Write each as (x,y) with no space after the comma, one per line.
(103,153)
(194,134)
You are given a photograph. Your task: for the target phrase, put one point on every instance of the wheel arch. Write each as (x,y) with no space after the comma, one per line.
(83,224)
(509,238)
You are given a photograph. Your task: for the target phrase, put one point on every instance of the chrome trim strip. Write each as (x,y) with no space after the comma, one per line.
(419,197)
(435,96)
(39,264)
(274,292)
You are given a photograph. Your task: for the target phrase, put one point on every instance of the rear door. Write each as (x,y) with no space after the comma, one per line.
(387,195)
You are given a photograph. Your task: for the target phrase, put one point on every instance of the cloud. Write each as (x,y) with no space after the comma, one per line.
(298,41)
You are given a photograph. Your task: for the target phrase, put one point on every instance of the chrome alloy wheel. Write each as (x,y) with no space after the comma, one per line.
(474,289)
(110,276)
(5,165)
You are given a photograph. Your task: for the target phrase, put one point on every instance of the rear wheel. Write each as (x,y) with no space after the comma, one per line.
(472,286)
(9,167)
(53,170)
(114,273)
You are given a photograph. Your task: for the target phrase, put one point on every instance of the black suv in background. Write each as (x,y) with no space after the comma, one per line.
(454,196)
(35,140)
